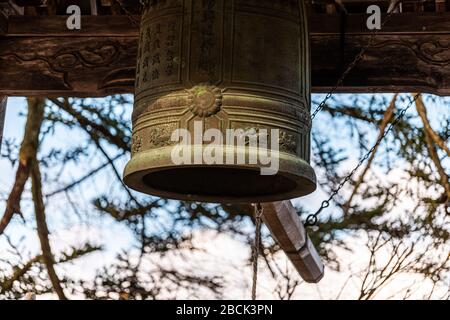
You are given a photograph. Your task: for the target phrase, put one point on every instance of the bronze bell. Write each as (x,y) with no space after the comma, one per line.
(234,66)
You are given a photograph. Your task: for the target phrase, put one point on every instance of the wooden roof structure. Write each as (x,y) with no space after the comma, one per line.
(39,56)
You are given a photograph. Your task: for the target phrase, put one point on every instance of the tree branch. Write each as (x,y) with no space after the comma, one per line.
(422,111)
(90,126)
(84,178)
(431,147)
(19,273)
(7,284)
(36,116)
(387,117)
(29,142)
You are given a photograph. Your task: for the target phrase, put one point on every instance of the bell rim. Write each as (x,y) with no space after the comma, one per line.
(151,161)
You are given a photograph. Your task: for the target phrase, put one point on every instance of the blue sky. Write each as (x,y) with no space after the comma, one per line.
(116,237)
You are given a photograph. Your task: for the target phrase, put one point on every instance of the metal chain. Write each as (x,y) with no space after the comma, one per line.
(257,244)
(357,59)
(128,13)
(312,219)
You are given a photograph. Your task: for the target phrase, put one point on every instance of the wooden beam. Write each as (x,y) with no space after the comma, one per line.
(55,26)
(67,66)
(3,101)
(40,57)
(422,24)
(286,228)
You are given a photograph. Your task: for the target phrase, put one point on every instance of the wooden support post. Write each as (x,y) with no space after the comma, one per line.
(285,226)
(7,8)
(3,100)
(93,7)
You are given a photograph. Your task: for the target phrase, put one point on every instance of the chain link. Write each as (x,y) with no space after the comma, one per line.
(257,244)
(357,59)
(130,17)
(312,219)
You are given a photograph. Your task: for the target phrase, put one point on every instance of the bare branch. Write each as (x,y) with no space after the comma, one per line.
(36,117)
(94,128)
(387,117)
(30,141)
(431,147)
(422,111)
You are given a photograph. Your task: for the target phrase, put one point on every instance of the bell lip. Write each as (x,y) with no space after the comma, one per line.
(290,166)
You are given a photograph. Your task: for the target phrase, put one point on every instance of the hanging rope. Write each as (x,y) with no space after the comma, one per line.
(312,219)
(256,246)
(355,61)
